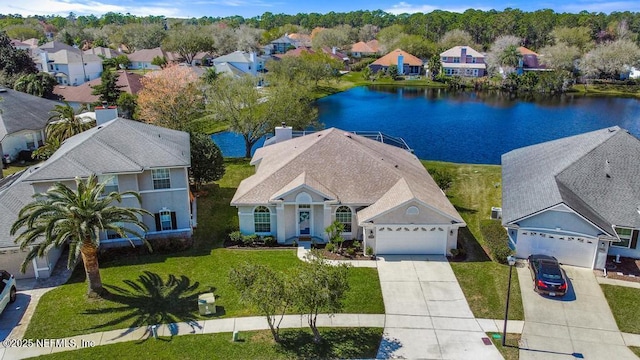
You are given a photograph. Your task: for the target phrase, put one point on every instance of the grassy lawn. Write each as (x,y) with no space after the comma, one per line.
(15,167)
(636,350)
(511,351)
(624,305)
(617,90)
(475,189)
(140,293)
(360,343)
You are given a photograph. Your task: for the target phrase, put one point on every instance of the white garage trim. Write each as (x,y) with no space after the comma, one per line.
(568,249)
(411,239)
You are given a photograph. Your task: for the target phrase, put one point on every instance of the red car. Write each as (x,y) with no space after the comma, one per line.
(548,277)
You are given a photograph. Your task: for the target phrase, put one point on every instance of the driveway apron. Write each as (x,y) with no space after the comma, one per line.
(580,325)
(427,315)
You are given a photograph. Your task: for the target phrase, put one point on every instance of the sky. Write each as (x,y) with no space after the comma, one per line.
(251,8)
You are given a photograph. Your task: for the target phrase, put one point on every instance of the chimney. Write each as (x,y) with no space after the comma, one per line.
(105,113)
(400,64)
(463,55)
(283,133)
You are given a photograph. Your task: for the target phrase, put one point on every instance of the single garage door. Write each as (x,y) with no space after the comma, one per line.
(568,250)
(408,240)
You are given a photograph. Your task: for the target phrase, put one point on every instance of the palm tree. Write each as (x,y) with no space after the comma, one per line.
(62,214)
(510,57)
(66,122)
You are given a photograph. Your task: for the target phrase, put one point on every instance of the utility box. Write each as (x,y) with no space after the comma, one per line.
(207,304)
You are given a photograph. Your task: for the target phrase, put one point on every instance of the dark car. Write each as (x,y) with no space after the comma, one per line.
(548,277)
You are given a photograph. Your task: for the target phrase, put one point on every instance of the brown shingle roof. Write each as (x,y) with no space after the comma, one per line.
(392,59)
(129,81)
(350,168)
(362,47)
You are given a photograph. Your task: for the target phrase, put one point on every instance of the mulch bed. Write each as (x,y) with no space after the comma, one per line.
(628,269)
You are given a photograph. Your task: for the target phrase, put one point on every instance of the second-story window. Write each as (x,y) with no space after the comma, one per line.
(161,179)
(110,183)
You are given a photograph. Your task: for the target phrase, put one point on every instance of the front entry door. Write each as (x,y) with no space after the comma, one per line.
(304,222)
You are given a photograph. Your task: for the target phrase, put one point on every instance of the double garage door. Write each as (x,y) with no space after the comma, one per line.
(411,240)
(574,251)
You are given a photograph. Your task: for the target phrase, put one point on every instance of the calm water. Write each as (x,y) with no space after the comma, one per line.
(465,127)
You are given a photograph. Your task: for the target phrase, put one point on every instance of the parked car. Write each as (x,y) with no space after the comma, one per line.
(548,277)
(7,289)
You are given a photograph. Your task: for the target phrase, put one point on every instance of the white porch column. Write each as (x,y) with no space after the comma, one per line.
(281,234)
(327,220)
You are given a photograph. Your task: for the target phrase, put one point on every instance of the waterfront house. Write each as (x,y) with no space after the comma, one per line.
(381,193)
(463,61)
(576,198)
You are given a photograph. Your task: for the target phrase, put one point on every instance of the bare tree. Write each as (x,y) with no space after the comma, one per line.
(496,58)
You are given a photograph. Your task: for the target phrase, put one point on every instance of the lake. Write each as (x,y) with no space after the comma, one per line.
(464,127)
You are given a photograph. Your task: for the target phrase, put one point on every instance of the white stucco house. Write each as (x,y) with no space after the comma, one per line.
(23,118)
(69,67)
(576,198)
(240,62)
(130,156)
(381,193)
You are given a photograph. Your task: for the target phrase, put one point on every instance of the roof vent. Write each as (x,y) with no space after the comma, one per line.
(347,135)
(612,129)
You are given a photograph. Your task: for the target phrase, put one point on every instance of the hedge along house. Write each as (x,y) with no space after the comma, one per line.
(129,156)
(381,193)
(576,198)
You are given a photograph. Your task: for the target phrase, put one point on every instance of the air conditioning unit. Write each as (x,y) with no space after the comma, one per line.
(496,213)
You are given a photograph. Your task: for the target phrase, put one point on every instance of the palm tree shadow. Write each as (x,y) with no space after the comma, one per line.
(148,301)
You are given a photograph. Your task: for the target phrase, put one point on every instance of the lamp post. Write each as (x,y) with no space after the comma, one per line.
(512,261)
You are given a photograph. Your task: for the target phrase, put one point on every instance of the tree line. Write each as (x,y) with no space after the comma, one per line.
(484,26)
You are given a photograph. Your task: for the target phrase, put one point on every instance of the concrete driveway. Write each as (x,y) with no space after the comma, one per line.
(580,325)
(427,315)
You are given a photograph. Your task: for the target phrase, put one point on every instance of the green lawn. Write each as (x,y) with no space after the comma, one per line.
(138,282)
(635,349)
(475,189)
(15,167)
(360,343)
(512,349)
(624,305)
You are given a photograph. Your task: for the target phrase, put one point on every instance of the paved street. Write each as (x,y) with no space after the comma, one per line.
(580,325)
(427,315)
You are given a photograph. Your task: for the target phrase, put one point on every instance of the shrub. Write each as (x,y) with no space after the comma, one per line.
(351,251)
(269,241)
(496,239)
(369,251)
(458,252)
(330,247)
(249,240)
(357,245)
(235,236)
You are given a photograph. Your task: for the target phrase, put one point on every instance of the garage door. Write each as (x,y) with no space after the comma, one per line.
(410,240)
(568,250)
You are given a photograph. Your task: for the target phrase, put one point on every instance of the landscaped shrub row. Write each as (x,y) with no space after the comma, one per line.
(497,240)
(237,238)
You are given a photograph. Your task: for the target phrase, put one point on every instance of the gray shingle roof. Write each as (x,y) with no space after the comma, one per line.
(118,146)
(573,171)
(21,111)
(356,170)
(13,197)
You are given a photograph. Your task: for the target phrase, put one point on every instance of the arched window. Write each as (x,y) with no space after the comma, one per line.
(262,219)
(343,215)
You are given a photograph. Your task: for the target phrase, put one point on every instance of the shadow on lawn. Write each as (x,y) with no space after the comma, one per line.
(337,343)
(475,252)
(150,300)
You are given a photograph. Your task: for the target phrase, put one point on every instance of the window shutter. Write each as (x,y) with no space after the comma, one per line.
(158,225)
(634,239)
(174,222)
